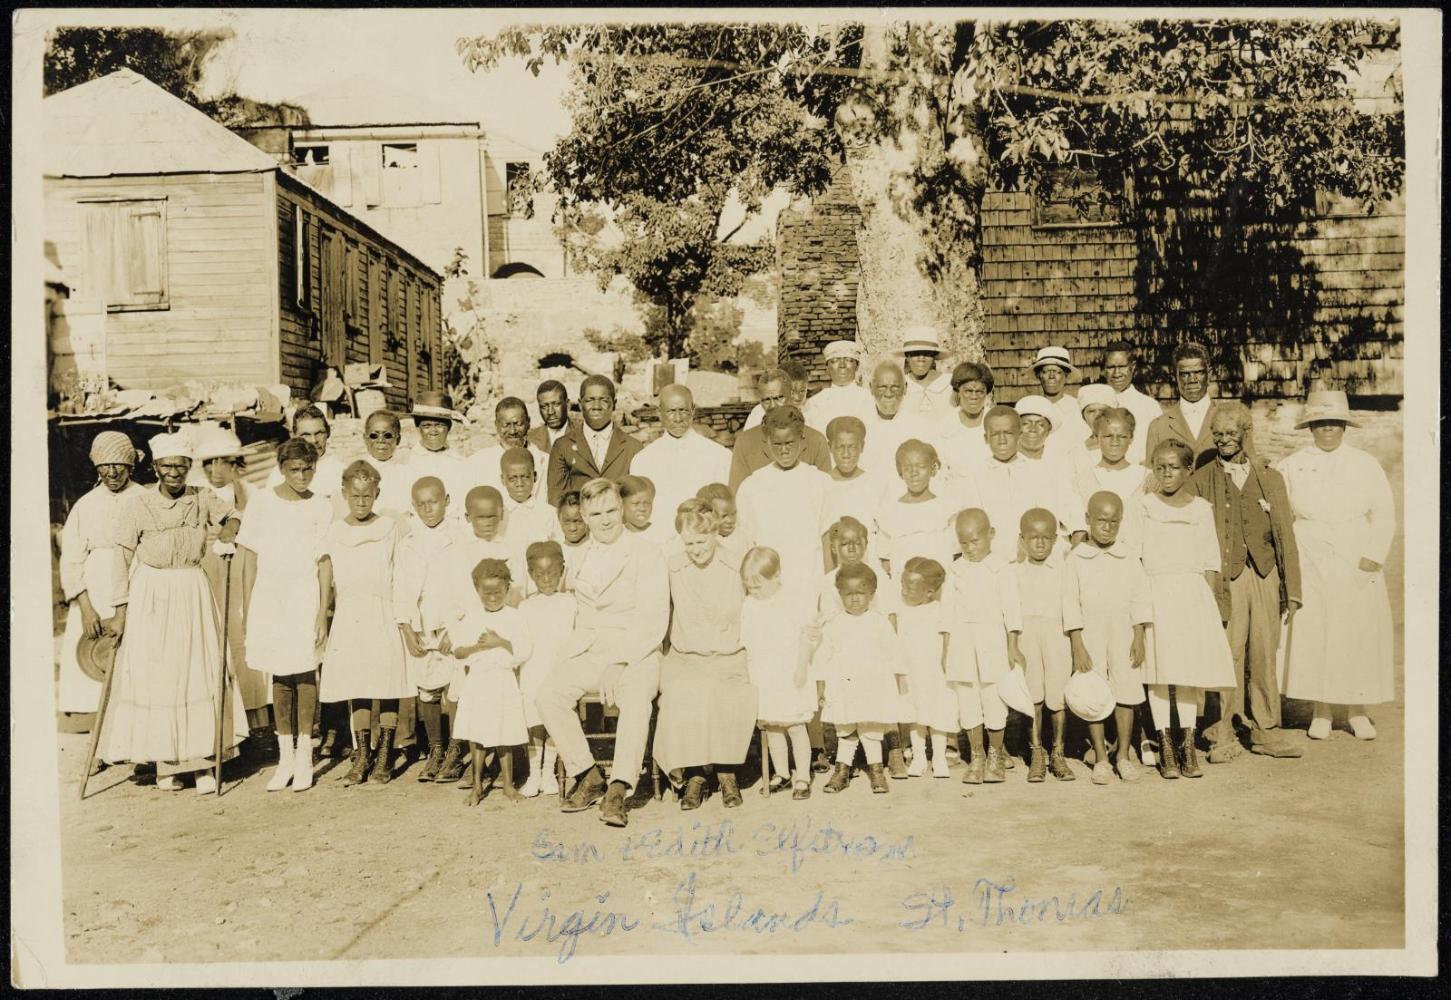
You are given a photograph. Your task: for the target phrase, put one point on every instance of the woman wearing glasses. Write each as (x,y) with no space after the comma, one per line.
(382,432)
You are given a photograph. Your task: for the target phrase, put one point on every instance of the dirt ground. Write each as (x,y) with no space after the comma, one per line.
(1259,853)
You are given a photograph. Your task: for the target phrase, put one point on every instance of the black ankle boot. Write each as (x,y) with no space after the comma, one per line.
(1168,766)
(362,760)
(431,767)
(382,771)
(453,763)
(1189,757)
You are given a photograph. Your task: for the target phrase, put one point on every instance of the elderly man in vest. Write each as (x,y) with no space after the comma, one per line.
(678,462)
(1189,417)
(1259,580)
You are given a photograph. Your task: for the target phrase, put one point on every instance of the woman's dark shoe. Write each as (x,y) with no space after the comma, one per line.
(779,784)
(839,779)
(1189,754)
(878,779)
(730,792)
(382,771)
(452,767)
(1168,766)
(362,761)
(695,790)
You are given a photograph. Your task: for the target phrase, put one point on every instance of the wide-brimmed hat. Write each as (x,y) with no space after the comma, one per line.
(96,656)
(1038,406)
(212,440)
(1013,690)
(842,349)
(1088,696)
(920,339)
(431,403)
(1053,355)
(1326,404)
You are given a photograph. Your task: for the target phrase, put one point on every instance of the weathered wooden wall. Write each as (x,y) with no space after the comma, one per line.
(392,316)
(217,322)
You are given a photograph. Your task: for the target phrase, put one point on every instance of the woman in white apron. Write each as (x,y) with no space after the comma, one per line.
(1341,643)
(86,554)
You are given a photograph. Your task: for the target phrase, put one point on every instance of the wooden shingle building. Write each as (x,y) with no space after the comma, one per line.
(211,262)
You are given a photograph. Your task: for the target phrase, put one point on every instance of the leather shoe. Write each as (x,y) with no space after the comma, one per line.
(896,764)
(840,778)
(1037,765)
(801,791)
(974,773)
(1058,766)
(612,809)
(694,793)
(995,766)
(1270,744)
(588,790)
(877,778)
(730,792)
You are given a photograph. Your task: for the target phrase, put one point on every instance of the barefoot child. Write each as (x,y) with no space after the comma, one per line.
(424,602)
(983,608)
(549,617)
(1106,605)
(922,635)
(364,660)
(286,612)
(777,656)
(1045,648)
(490,642)
(1181,558)
(856,669)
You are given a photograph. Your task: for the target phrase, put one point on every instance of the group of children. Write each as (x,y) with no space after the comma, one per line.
(898,611)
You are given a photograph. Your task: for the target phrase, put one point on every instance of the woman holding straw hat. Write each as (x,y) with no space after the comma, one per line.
(163,704)
(87,549)
(1340,648)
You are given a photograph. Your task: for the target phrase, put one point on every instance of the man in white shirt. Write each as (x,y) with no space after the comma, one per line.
(1190,418)
(511,427)
(679,462)
(799,382)
(843,397)
(1119,369)
(890,423)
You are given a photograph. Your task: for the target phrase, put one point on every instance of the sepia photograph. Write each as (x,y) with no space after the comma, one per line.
(724,495)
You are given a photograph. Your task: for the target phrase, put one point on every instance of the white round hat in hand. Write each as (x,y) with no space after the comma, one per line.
(1013,690)
(1089,697)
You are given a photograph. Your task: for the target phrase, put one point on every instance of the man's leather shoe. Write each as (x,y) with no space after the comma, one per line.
(588,790)
(694,793)
(612,809)
(730,792)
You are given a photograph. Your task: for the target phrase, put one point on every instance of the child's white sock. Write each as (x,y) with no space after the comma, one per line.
(939,754)
(846,749)
(918,766)
(801,751)
(1187,701)
(776,741)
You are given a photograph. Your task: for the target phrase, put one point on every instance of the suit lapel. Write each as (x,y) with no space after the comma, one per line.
(583,459)
(613,449)
(1177,421)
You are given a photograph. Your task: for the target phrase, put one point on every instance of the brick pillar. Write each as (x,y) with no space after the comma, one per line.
(820,270)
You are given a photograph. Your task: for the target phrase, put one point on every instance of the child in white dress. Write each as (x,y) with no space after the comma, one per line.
(1039,579)
(364,660)
(490,641)
(856,670)
(777,655)
(1181,558)
(1106,609)
(286,617)
(424,602)
(916,522)
(982,604)
(849,545)
(922,637)
(549,616)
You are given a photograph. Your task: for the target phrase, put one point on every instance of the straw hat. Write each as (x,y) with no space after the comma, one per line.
(1326,404)
(96,656)
(1013,690)
(1054,355)
(1088,696)
(432,403)
(919,338)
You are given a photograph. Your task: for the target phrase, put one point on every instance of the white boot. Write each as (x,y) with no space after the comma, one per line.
(302,764)
(548,779)
(283,774)
(1360,723)
(918,767)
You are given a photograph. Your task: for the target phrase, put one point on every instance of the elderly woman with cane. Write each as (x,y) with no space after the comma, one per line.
(163,704)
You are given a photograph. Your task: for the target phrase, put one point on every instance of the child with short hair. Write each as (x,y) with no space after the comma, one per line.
(777,657)
(572,530)
(1045,649)
(1113,429)
(916,522)
(490,641)
(856,670)
(782,504)
(549,616)
(854,491)
(637,497)
(364,659)
(285,611)
(983,608)
(424,601)
(1181,557)
(922,636)
(722,502)
(528,516)
(1106,607)
(849,542)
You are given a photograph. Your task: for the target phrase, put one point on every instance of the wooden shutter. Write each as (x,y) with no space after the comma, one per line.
(341,161)
(300,281)
(100,252)
(377,321)
(145,259)
(334,281)
(410,336)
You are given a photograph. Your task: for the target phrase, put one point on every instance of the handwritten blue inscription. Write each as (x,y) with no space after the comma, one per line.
(563,929)
(693,917)
(993,904)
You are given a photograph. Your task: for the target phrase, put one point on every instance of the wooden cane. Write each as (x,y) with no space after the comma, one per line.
(96,727)
(222,680)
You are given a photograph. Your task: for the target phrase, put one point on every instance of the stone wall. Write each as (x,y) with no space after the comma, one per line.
(724,422)
(820,271)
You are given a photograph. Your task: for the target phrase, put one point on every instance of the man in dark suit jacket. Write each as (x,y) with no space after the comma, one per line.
(1259,580)
(593,449)
(1191,375)
(554,419)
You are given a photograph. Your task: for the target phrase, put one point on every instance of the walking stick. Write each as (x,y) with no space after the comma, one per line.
(96,728)
(222,680)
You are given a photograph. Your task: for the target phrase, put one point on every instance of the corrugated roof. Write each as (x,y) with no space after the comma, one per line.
(123,124)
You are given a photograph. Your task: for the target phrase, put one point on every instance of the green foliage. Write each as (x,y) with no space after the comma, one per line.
(173,60)
(469,354)
(628,344)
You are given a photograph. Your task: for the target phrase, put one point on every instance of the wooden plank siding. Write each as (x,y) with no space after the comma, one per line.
(363,303)
(1332,302)
(218,317)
